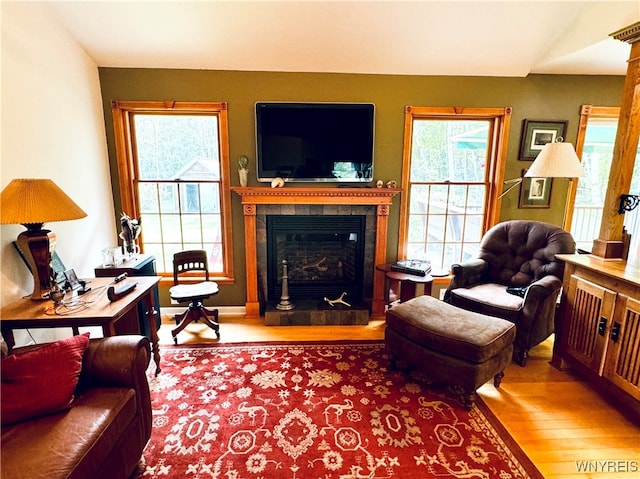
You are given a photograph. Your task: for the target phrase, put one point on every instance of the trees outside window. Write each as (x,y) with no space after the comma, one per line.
(173,166)
(452,173)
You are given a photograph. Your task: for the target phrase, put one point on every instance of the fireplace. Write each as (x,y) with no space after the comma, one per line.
(259,202)
(324,255)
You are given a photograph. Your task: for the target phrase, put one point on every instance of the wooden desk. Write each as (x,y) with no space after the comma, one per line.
(91,309)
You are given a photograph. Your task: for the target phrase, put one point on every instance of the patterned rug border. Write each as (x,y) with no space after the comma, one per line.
(503,434)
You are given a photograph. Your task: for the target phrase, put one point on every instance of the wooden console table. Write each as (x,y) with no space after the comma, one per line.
(381,198)
(91,309)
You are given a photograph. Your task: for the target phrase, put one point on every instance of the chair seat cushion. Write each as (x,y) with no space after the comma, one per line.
(491,294)
(187,292)
(450,330)
(489,298)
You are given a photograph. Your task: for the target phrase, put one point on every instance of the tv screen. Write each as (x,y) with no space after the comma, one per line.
(309,142)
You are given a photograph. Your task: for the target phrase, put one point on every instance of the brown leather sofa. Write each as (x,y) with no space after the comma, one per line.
(102,434)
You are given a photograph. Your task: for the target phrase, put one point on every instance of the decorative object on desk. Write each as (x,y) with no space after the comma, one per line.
(417,267)
(131,229)
(535,192)
(32,202)
(56,294)
(72,282)
(111,257)
(537,133)
(243,169)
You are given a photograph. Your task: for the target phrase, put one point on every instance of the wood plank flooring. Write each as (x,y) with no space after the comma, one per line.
(564,426)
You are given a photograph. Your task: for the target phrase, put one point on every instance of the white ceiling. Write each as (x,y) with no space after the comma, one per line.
(420,37)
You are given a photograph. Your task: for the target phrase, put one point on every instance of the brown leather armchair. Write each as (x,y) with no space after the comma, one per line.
(517,277)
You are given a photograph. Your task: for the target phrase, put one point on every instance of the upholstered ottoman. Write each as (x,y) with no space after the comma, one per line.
(449,344)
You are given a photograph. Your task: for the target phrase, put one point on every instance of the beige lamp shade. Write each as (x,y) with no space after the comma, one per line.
(556,160)
(36,201)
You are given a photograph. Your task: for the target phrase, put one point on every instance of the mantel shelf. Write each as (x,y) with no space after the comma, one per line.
(286,195)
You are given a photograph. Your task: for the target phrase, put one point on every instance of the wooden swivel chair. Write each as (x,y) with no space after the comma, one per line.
(193,293)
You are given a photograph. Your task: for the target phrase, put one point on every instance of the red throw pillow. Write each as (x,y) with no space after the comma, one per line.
(42,380)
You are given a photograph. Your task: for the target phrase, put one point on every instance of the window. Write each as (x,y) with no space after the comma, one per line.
(173,165)
(453,163)
(594,145)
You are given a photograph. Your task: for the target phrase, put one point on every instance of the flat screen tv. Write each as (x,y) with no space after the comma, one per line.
(311,142)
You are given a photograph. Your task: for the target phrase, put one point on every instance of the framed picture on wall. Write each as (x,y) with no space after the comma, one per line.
(536,134)
(535,192)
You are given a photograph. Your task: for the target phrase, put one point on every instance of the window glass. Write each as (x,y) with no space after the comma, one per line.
(597,155)
(447,190)
(178,167)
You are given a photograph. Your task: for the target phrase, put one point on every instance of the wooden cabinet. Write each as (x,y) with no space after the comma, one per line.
(623,368)
(141,265)
(598,327)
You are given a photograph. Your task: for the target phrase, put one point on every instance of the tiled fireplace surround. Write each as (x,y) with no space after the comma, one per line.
(260,202)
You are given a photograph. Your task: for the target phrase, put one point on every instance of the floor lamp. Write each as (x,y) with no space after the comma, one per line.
(31,203)
(556,160)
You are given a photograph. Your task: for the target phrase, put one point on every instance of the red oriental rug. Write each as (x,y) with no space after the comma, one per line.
(315,411)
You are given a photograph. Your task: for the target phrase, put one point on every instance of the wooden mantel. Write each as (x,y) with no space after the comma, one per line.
(382,198)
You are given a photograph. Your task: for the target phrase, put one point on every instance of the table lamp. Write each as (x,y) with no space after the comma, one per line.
(32,202)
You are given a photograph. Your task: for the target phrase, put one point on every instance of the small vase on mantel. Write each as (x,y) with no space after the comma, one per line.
(243,170)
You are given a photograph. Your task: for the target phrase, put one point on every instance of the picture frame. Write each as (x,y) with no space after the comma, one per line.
(72,279)
(537,133)
(535,192)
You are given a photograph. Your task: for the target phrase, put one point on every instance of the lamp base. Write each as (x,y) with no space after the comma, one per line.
(37,247)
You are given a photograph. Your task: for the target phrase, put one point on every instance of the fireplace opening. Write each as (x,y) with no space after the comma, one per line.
(324,254)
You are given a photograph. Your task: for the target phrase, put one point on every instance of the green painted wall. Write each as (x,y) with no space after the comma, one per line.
(549,97)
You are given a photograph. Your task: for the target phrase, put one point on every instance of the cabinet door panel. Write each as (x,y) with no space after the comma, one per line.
(622,366)
(590,313)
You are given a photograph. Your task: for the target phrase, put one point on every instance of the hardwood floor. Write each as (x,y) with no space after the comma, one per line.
(564,427)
